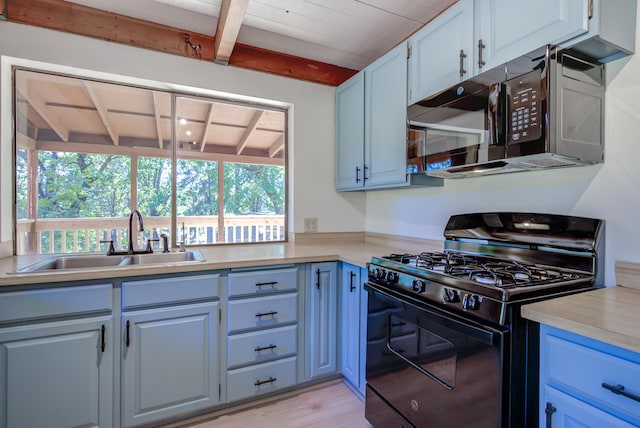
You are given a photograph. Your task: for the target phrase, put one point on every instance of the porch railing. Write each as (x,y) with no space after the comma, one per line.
(57,235)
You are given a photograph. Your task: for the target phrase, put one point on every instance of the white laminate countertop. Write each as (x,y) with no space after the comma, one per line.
(610,315)
(217,257)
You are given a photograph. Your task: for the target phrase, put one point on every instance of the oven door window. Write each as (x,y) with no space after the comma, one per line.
(429,353)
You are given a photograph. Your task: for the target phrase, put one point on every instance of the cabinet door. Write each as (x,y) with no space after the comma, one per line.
(436,51)
(569,412)
(350,318)
(516,27)
(364,300)
(57,374)
(322,310)
(170,362)
(385,153)
(350,134)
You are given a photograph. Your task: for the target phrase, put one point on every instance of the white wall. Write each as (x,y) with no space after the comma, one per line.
(311,145)
(610,191)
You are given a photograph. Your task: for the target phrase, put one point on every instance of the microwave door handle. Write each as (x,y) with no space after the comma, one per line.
(493,114)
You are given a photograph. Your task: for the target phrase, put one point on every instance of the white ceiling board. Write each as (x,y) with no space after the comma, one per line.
(347,33)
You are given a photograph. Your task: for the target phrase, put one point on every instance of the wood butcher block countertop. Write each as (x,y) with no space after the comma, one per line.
(610,315)
(335,248)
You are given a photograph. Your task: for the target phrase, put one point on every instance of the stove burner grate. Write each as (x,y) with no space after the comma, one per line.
(484,270)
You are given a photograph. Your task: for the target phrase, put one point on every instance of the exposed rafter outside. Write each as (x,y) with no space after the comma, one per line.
(39,105)
(276,146)
(156,113)
(102,111)
(207,127)
(250,128)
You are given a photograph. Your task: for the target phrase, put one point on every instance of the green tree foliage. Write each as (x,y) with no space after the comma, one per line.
(77,185)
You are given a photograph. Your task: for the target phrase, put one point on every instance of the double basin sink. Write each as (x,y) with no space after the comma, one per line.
(74,262)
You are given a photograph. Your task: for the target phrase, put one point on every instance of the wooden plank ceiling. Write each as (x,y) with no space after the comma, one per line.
(323,41)
(59,113)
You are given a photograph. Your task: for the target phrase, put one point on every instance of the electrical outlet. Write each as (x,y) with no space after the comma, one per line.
(310,225)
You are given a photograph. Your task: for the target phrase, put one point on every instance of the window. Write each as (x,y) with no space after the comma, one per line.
(203,170)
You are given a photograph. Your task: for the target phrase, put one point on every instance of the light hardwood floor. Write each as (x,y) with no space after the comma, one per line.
(330,405)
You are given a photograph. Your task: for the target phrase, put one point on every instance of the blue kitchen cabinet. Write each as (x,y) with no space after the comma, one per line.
(350,134)
(321,318)
(262,331)
(170,336)
(576,377)
(371,116)
(353,316)
(473,36)
(441,53)
(511,28)
(56,357)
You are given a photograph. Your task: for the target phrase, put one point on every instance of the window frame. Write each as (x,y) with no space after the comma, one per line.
(175,92)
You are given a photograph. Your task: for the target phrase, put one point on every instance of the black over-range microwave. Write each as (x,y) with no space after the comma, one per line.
(541,110)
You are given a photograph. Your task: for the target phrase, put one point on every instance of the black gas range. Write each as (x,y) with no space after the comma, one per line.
(447,326)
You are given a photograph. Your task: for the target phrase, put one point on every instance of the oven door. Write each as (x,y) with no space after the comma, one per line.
(433,368)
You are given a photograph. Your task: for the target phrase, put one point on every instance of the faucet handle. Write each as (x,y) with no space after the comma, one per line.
(149,241)
(111,249)
(165,242)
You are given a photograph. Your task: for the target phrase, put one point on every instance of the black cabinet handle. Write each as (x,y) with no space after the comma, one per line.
(351,286)
(265,348)
(549,411)
(102,339)
(127,339)
(262,284)
(481,46)
(264,314)
(619,390)
(357,174)
(262,382)
(365,178)
(318,279)
(462,57)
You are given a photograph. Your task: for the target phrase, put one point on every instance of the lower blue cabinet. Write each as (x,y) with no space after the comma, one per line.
(170,362)
(353,316)
(581,381)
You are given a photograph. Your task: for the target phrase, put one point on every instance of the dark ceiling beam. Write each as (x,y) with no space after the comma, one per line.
(78,19)
(231,16)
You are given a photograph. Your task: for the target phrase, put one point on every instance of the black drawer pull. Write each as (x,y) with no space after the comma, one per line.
(261,284)
(265,348)
(265,314)
(102,339)
(619,389)
(128,338)
(262,382)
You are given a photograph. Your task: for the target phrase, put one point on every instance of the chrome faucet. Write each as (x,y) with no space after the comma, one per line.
(141,229)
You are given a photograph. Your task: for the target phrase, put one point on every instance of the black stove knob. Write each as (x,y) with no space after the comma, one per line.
(418,285)
(470,302)
(393,277)
(380,273)
(450,296)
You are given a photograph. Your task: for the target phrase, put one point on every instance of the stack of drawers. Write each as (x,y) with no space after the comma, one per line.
(262,332)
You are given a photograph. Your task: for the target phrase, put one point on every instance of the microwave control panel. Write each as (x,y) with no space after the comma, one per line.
(525,95)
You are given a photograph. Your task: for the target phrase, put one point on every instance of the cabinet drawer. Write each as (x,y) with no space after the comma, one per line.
(260,379)
(262,282)
(582,371)
(263,311)
(261,346)
(169,290)
(53,302)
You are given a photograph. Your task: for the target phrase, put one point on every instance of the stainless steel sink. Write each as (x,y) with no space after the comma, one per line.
(75,262)
(160,258)
(67,263)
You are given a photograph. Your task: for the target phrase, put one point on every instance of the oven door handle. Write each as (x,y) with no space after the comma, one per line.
(484,335)
(415,366)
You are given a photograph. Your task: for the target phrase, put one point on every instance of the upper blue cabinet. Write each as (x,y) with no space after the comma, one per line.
(476,35)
